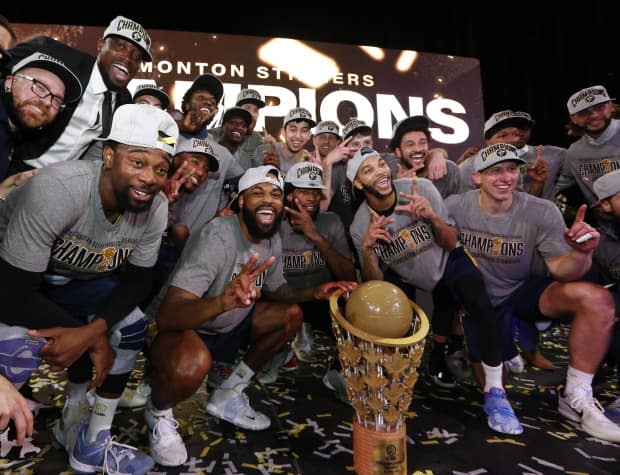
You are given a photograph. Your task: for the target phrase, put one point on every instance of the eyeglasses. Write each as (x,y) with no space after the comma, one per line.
(42,91)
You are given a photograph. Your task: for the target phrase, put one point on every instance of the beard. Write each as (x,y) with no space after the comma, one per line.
(125,203)
(258,230)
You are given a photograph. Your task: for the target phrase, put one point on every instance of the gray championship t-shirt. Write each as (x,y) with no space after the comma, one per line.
(588,159)
(607,253)
(413,252)
(506,246)
(342,193)
(304,265)
(247,150)
(214,256)
(200,206)
(55,223)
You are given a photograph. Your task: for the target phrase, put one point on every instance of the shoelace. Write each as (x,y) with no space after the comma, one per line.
(118,452)
(165,426)
(587,399)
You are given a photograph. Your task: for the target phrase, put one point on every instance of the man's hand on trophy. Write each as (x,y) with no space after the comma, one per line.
(324,291)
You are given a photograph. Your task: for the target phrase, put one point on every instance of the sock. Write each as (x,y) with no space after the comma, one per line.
(492,377)
(575,378)
(76,393)
(241,375)
(101,417)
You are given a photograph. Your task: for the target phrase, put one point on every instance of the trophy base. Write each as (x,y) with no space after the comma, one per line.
(379,453)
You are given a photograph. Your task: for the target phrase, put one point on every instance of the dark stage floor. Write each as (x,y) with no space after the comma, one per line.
(311,430)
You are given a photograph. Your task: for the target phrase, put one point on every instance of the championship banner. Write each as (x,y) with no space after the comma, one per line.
(333,81)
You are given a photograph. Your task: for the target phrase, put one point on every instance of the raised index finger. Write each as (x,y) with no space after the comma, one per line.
(414,186)
(581,214)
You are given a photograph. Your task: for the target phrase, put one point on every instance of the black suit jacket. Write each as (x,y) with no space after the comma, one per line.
(34,143)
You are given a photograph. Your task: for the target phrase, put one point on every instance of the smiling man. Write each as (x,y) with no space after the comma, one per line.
(124,45)
(508,232)
(210,312)
(35,92)
(404,227)
(81,239)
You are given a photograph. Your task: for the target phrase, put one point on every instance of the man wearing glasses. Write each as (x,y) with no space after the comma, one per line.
(36,91)
(123,46)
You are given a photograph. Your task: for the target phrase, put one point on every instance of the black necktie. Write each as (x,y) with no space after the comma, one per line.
(106,114)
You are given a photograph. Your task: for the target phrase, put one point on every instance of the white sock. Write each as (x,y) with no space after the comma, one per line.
(575,378)
(76,393)
(101,417)
(154,411)
(241,375)
(492,377)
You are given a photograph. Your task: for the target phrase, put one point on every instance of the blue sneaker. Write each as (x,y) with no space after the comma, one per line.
(107,456)
(501,416)
(612,411)
(19,354)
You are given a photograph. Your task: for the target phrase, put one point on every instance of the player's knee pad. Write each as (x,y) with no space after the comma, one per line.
(127,338)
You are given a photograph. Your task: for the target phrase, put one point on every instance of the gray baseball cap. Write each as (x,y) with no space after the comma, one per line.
(607,185)
(496,153)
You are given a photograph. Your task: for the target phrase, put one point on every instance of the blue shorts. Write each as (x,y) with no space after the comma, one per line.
(225,346)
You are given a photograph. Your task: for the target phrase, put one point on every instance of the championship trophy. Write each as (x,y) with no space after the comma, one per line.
(380,345)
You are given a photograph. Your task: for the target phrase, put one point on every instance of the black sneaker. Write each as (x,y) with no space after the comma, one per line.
(439,373)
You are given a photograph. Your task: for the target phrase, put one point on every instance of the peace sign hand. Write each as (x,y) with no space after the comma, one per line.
(418,206)
(241,291)
(377,230)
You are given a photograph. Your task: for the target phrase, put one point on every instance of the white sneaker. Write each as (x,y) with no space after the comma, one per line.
(65,428)
(515,365)
(583,408)
(303,344)
(269,373)
(167,447)
(234,407)
(135,397)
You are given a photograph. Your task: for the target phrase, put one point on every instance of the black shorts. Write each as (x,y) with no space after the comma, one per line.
(225,346)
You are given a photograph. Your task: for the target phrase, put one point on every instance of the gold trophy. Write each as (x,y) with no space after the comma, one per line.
(380,345)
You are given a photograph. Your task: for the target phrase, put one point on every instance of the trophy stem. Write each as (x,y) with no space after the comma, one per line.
(379,453)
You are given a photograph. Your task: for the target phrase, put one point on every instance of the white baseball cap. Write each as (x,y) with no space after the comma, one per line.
(355,163)
(327,127)
(607,185)
(152,90)
(131,31)
(255,176)
(298,114)
(197,145)
(496,153)
(143,125)
(305,175)
(250,95)
(506,118)
(588,97)
(354,126)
